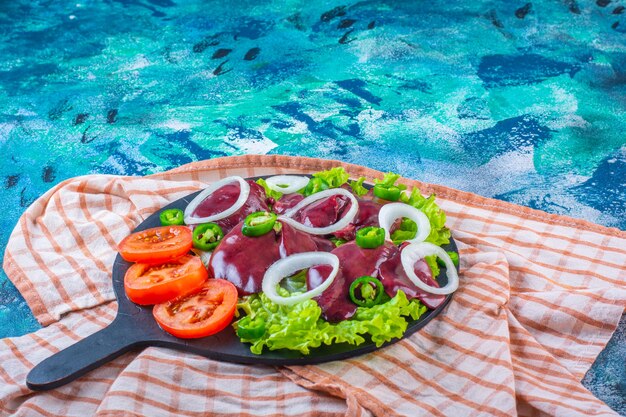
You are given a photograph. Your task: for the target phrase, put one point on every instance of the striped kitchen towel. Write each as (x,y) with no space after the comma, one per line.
(539,297)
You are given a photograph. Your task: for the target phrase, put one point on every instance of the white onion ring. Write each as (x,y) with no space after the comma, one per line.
(288,266)
(416,251)
(244,192)
(294,183)
(390,212)
(342,223)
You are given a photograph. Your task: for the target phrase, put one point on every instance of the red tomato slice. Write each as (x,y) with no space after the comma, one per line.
(200,314)
(156,245)
(153,284)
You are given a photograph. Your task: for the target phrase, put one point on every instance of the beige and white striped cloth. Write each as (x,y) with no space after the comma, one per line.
(540,296)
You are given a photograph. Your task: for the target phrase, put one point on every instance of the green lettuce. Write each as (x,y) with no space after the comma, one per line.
(335,177)
(439,233)
(357,187)
(387,321)
(433,264)
(406,231)
(389,180)
(295,283)
(301,327)
(268,191)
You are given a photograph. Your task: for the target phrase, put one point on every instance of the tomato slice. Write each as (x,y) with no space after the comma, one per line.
(156,245)
(200,314)
(153,284)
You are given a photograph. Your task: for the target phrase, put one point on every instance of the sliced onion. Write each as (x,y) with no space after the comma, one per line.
(341,223)
(288,266)
(244,192)
(416,251)
(293,183)
(389,213)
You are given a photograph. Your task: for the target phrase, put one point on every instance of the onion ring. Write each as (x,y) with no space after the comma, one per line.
(342,223)
(290,265)
(294,183)
(244,192)
(392,211)
(416,251)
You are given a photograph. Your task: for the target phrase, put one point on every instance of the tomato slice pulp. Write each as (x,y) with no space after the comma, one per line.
(156,245)
(202,313)
(153,284)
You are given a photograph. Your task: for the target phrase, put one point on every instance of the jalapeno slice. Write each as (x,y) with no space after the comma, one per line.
(259,223)
(453,256)
(207,236)
(251,329)
(370,237)
(172,217)
(315,185)
(366,291)
(387,192)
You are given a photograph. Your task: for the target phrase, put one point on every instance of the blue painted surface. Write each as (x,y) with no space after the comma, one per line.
(509,70)
(519,101)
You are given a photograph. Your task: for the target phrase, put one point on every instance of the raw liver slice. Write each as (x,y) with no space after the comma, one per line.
(243,260)
(225,197)
(354,262)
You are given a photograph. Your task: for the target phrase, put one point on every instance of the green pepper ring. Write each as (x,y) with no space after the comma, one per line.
(258,223)
(172,217)
(366,280)
(203,241)
(251,329)
(370,237)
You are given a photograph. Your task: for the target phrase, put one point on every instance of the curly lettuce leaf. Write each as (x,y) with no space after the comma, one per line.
(433,264)
(298,327)
(357,187)
(268,191)
(406,231)
(301,326)
(295,283)
(439,233)
(335,177)
(385,322)
(389,180)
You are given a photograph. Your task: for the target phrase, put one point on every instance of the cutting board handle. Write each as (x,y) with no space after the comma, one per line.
(83,356)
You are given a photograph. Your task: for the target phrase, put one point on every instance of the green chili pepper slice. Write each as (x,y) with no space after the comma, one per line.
(251,329)
(387,192)
(370,237)
(206,236)
(259,223)
(172,217)
(453,256)
(315,185)
(366,291)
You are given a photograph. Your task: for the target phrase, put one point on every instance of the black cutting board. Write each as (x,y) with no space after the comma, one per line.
(134,328)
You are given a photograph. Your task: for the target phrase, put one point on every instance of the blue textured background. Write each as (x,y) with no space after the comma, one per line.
(524,102)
